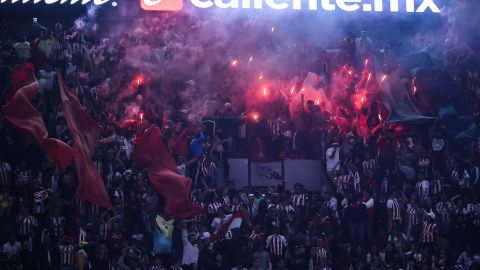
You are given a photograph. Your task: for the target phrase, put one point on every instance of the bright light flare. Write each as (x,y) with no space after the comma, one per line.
(366,62)
(384,77)
(273,29)
(141,117)
(414,89)
(255,116)
(369,77)
(362,100)
(234,62)
(250,59)
(138,81)
(291,91)
(380,117)
(318,102)
(260,76)
(265,91)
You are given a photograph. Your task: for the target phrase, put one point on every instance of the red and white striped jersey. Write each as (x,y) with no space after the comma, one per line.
(151,201)
(341,182)
(355,180)
(277,245)
(320,256)
(5,171)
(66,254)
(443,209)
(39,198)
(212,208)
(286,209)
(26,224)
(299,199)
(368,165)
(413,215)
(428,232)
(423,189)
(394,205)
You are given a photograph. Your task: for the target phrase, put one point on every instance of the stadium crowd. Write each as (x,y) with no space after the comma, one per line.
(402,197)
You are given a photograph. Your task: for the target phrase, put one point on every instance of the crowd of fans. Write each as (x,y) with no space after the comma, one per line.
(403,197)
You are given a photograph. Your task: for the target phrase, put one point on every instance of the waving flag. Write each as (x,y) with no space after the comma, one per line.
(85,133)
(20,112)
(163,174)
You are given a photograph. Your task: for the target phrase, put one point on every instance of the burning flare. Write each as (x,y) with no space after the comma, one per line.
(260,76)
(250,59)
(384,77)
(265,91)
(234,62)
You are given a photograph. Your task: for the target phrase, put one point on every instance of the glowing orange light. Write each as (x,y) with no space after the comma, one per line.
(234,62)
(318,101)
(255,117)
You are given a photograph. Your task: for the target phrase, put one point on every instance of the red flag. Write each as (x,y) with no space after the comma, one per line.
(20,112)
(163,174)
(85,133)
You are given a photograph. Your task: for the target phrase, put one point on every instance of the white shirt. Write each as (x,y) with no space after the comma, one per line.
(190,252)
(369,203)
(332,163)
(11,250)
